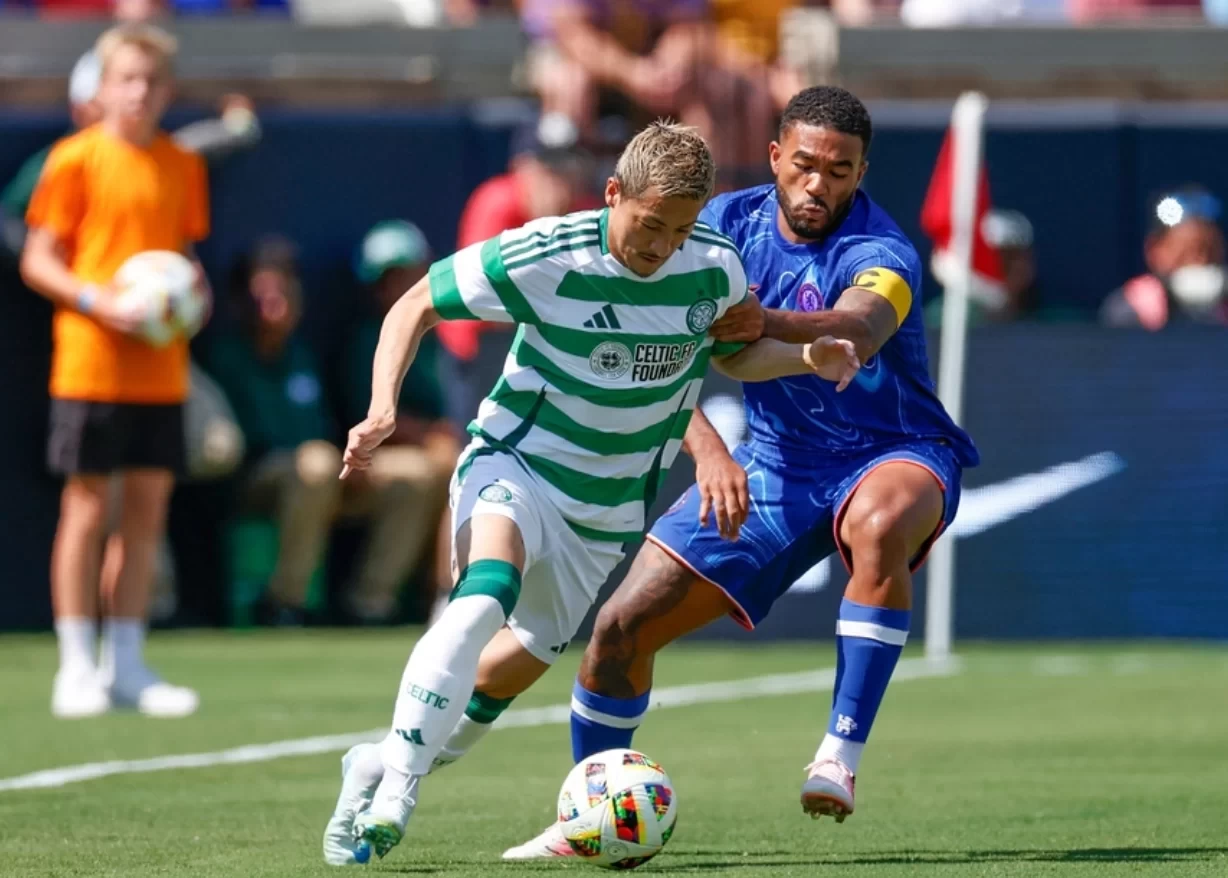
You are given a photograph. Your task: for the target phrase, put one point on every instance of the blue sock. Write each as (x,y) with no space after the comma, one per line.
(600,722)
(868,645)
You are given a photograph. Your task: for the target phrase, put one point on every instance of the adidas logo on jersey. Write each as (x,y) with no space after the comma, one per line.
(603,319)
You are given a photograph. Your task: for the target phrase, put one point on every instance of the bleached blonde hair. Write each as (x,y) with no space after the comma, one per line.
(146,37)
(674,159)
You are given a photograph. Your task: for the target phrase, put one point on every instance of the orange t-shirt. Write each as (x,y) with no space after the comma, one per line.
(106,200)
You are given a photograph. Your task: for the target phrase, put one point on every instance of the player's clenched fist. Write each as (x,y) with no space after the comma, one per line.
(364,438)
(834,359)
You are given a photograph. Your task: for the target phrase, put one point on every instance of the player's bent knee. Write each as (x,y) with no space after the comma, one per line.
(493,578)
(877,533)
(613,628)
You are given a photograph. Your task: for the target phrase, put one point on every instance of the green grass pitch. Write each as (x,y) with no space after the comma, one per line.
(1032,761)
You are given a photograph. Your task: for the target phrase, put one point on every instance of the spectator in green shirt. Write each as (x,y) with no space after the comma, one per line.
(422,452)
(275,386)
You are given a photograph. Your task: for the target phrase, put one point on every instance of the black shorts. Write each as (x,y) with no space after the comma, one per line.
(98,438)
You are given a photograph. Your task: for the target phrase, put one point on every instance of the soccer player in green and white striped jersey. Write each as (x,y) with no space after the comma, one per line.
(568,449)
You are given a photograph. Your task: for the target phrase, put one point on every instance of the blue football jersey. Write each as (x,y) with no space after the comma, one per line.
(892,398)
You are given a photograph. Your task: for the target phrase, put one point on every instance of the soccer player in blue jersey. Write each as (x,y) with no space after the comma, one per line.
(872,473)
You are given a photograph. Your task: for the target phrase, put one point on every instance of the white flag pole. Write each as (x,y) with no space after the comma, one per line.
(967,125)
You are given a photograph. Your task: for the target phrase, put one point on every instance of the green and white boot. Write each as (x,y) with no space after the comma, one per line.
(382,825)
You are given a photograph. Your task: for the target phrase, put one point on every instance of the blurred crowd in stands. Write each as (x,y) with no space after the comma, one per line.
(750,23)
(744,17)
(915,13)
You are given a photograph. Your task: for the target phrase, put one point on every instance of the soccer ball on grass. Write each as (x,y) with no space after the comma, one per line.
(617,809)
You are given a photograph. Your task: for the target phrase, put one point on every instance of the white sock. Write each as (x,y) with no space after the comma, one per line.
(366,770)
(396,787)
(123,642)
(77,639)
(461,741)
(848,752)
(441,604)
(437,683)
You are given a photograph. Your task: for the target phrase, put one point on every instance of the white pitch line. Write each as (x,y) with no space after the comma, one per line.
(672,696)
(1060,665)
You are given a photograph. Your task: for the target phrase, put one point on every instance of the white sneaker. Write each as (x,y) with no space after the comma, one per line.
(547,846)
(340,846)
(382,825)
(828,790)
(152,696)
(78,693)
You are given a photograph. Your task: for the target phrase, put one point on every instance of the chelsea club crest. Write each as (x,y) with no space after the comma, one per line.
(808,298)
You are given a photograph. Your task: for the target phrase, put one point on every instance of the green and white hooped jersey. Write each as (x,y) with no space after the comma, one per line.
(606,367)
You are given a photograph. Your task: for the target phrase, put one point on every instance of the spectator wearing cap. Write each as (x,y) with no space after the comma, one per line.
(544,178)
(422,451)
(1185,279)
(1018,298)
(274,383)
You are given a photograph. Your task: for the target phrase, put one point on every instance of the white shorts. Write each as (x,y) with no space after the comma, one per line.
(563,571)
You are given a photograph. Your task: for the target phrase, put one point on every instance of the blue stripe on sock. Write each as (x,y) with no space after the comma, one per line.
(851,611)
(624,707)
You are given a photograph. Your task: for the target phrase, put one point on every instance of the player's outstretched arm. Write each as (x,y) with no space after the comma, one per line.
(834,359)
(864,316)
(406,323)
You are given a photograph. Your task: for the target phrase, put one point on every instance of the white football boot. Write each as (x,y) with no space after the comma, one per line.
(828,790)
(340,846)
(144,690)
(382,825)
(78,692)
(547,846)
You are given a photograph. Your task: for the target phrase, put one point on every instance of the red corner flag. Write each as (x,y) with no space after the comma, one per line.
(987,275)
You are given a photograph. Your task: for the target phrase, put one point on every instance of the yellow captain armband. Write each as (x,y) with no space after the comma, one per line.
(890,286)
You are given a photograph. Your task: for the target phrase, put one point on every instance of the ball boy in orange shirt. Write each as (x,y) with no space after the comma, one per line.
(110,191)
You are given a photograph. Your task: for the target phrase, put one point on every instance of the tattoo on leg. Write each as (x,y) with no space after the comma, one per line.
(654,586)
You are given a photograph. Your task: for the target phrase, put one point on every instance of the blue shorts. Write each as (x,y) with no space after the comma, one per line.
(794,520)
